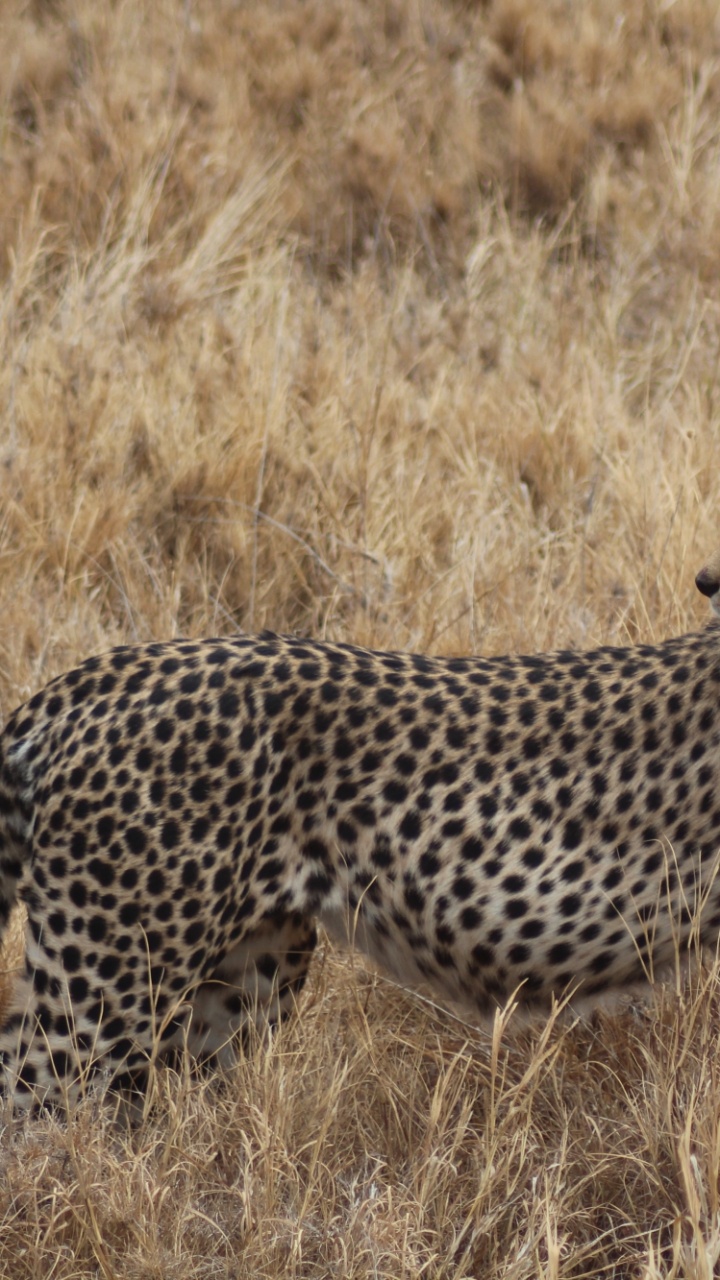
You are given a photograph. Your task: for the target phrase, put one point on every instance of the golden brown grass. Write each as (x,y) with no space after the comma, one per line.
(395,322)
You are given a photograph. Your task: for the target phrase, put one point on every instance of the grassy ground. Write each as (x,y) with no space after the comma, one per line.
(399,323)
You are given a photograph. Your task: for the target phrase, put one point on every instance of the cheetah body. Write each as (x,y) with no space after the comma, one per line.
(177,816)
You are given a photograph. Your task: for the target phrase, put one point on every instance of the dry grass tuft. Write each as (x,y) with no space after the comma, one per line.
(396,323)
(378,1136)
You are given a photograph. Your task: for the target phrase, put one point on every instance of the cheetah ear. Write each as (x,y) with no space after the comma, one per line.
(708,582)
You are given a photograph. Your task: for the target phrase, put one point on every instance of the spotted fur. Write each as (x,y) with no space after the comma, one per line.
(176,817)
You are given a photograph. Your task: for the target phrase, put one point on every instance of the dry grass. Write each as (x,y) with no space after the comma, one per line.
(396,322)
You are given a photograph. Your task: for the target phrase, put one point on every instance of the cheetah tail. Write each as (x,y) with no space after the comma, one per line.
(16,814)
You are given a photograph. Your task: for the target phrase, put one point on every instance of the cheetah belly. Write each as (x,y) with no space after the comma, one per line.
(388,947)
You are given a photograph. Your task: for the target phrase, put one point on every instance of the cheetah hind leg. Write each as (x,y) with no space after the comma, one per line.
(255,985)
(48,1053)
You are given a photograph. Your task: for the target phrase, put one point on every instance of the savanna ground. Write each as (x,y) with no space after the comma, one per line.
(396,323)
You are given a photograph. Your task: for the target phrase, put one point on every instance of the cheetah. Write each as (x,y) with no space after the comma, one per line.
(177,817)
